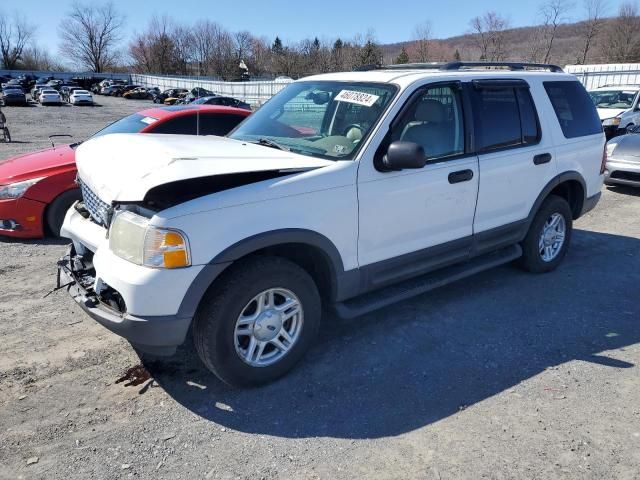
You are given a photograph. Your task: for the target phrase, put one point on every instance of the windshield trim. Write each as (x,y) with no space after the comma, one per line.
(364,141)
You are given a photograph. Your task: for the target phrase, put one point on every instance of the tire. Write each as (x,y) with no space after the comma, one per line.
(535,248)
(214,327)
(629,127)
(58,209)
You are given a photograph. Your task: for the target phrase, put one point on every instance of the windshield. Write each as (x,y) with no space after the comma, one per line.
(613,98)
(321,119)
(131,124)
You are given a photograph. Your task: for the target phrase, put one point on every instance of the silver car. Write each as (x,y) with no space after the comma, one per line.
(623,160)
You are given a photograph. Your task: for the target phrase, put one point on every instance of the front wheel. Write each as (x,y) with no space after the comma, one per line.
(257,321)
(549,235)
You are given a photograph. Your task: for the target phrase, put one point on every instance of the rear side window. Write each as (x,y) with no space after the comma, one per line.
(504,117)
(574,108)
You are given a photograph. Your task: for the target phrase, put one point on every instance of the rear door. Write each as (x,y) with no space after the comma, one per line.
(516,159)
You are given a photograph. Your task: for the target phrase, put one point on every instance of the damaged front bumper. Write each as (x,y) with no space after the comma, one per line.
(159,335)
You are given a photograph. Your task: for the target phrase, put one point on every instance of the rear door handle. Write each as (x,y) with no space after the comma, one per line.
(542,158)
(460,176)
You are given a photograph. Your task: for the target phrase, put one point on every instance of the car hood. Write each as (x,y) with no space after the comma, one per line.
(124,167)
(36,164)
(605,113)
(627,146)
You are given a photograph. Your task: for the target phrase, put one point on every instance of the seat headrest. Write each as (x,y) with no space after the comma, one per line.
(430,111)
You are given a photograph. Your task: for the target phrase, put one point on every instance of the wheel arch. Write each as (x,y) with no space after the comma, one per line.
(568,185)
(312,251)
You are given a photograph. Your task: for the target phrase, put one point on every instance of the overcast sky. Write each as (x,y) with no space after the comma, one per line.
(392,21)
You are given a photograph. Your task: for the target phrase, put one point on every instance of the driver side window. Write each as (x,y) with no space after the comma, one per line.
(434,121)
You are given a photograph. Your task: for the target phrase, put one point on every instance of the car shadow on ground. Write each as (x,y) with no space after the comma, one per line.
(36,241)
(423,360)
(624,190)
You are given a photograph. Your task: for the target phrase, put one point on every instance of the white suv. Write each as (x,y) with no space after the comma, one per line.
(354,190)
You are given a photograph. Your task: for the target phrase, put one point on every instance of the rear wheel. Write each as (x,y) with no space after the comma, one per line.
(58,209)
(549,235)
(258,321)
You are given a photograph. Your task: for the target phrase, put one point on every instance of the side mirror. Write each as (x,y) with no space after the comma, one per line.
(401,155)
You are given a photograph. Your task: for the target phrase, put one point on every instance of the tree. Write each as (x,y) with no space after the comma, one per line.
(277,47)
(622,42)
(591,27)
(422,42)
(553,13)
(456,56)
(489,30)
(403,57)
(15,34)
(36,58)
(370,54)
(90,35)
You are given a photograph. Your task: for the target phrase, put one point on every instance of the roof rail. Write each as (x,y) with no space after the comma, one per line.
(509,65)
(400,66)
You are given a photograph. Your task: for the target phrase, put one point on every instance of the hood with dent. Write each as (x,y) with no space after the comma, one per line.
(37,164)
(124,167)
(605,113)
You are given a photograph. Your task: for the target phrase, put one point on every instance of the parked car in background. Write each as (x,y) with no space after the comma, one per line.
(623,159)
(37,88)
(112,87)
(224,101)
(618,107)
(173,93)
(137,93)
(80,97)
(13,84)
(124,89)
(66,89)
(36,189)
(50,97)
(196,93)
(13,95)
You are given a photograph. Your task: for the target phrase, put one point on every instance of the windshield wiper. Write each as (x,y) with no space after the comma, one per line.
(267,142)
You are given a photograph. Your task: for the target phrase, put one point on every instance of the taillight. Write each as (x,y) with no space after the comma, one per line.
(604,161)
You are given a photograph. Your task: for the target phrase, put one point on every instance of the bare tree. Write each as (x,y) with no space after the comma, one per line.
(421,47)
(622,38)
(36,58)
(553,13)
(15,34)
(90,35)
(592,26)
(489,30)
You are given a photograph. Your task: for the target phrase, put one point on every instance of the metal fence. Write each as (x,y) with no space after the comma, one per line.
(64,75)
(254,93)
(594,76)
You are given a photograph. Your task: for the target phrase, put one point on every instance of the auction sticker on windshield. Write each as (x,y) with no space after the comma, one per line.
(360,98)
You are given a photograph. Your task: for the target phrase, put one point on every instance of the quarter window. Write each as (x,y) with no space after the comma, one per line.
(574,108)
(504,117)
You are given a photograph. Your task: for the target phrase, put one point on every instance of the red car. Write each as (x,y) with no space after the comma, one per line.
(38,188)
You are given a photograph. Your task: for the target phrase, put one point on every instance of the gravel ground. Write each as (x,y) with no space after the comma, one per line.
(503,375)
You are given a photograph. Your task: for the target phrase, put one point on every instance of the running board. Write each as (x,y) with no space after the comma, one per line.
(410,288)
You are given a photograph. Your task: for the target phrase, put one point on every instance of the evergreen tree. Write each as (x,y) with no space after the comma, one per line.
(403,57)
(277,46)
(456,56)
(370,54)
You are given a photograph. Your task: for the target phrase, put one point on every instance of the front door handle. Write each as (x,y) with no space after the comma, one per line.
(460,176)
(542,158)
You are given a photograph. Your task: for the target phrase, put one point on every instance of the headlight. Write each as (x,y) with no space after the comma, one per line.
(611,122)
(16,190)
(132,238)
(610,148)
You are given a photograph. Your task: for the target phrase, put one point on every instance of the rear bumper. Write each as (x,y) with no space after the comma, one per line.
(159,335)
(26,214)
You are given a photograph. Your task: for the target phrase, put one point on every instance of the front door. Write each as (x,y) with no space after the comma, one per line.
(415,220)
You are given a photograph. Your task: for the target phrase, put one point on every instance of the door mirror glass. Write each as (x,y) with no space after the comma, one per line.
(401,155)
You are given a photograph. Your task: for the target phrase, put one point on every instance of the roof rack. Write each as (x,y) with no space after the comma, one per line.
(460,65)
(509,65)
